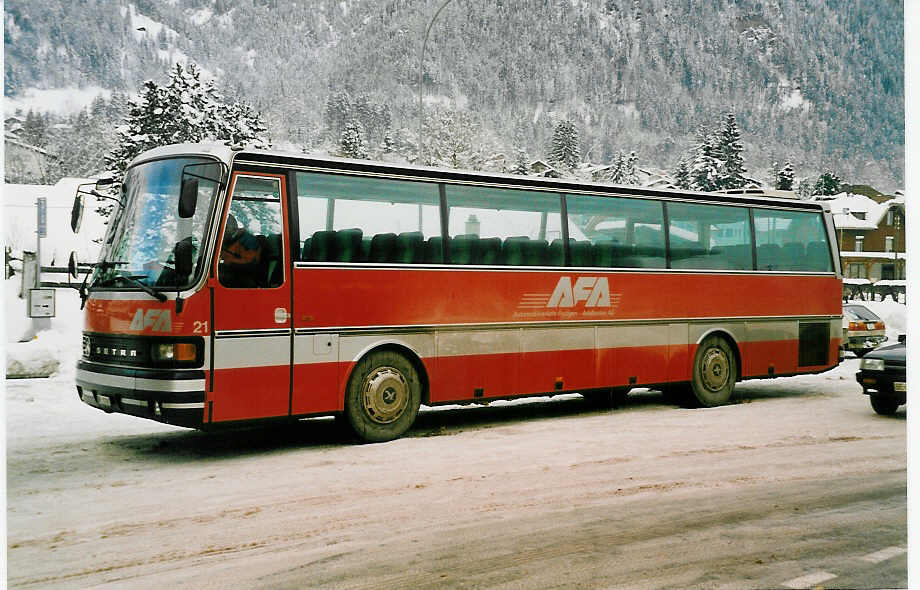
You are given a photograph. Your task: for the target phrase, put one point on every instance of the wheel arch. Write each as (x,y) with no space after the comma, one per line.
(732,342)
(405,350)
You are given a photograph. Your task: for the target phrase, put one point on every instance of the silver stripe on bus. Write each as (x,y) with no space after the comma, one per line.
(126,382)
(182,406)
(134,402)
(252,350)
(252,333)
(414,328)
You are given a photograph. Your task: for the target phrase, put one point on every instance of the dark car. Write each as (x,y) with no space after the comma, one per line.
(883,376)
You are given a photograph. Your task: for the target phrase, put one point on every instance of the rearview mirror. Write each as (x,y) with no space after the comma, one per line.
(188,197)
(183,255)
(76,214)
(73,265)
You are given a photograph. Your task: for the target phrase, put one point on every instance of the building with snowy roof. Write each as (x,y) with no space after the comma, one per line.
(872,239)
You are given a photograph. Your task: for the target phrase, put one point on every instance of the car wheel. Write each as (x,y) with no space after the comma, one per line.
(714,372)
(383,396)
(884,406)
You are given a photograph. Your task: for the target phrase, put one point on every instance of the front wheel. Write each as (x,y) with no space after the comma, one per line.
(383,396)
(884,406)
(714,372)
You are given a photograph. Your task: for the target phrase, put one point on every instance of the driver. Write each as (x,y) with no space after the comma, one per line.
(240,255)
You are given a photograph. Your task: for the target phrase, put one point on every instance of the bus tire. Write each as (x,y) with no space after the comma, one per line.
(714,372)
(383,396)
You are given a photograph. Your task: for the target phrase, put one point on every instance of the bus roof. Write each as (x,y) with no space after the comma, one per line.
(229,154)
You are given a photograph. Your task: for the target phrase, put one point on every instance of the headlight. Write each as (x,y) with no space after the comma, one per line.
(872,364)
(174,351)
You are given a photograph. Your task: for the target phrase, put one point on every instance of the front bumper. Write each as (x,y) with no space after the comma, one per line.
(169,396)
(888,383)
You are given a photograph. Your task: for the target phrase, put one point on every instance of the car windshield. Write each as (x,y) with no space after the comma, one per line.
(140,246)
(860,313)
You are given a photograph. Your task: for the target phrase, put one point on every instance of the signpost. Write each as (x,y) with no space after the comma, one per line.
(39,303)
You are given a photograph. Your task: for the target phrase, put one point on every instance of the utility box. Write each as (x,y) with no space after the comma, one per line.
(41,303)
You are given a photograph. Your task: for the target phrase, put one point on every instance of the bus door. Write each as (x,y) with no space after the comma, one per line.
(252,303)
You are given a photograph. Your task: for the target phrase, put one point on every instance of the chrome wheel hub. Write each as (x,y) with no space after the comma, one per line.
(715,369)
(386,395)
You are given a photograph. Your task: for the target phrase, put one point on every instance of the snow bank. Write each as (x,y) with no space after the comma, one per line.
(894,315)
(51,352)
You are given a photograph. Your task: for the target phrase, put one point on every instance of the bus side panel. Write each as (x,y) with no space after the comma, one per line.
(476,363)
(632,354)
(376,297)
(557,358)
(769,344)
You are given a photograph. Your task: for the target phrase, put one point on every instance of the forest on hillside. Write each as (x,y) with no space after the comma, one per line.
(821,85)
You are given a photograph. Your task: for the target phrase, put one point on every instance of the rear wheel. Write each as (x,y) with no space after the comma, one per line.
(383,396)
(884,406)
(714,372)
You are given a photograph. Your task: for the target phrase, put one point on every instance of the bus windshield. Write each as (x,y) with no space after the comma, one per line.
(140,247)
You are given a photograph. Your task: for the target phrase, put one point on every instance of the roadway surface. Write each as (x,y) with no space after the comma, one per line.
(796,485)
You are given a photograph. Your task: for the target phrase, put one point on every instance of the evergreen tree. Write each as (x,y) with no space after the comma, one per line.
(521,165)
(704,167)
(784,179)
(728,151)
(388,144)
(352,143)
(564,148)
(185,110)
(682,174)
(827,184)
(805,190)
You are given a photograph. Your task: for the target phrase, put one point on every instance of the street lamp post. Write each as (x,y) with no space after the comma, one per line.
(421,60)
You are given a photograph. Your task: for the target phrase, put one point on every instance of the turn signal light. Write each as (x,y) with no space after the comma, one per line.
(176,351)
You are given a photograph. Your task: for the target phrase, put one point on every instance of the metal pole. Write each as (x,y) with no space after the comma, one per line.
(421,60)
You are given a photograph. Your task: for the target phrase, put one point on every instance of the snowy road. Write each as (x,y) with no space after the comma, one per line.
(798,484)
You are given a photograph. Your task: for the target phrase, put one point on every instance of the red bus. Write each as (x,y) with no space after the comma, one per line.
(238,285)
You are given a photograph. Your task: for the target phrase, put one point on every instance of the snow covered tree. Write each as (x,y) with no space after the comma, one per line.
(388,145)
(784,179)
(185,110)
(682,174)
(564,147)
(704,167)
(352,143)
(521,165)
(805,190)
(827,184)
(452,138)
(727,151)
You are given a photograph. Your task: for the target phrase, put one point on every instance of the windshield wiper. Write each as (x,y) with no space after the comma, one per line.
(119,275)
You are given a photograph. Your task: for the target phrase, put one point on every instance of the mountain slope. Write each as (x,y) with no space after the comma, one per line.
(818,83)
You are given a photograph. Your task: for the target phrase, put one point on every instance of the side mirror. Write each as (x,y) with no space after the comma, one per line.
(902,338)
(188,197)
(183,254)
(73,265)
(76,214)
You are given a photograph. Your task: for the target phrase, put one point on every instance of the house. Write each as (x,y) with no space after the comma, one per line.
(871,237)
(25,163)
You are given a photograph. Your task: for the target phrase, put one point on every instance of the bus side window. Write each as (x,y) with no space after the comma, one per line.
(251,248)
(791,240)
(615,232)
(354,219)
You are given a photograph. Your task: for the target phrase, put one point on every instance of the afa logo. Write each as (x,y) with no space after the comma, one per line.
(594,291)
(157,320)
